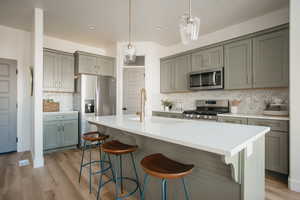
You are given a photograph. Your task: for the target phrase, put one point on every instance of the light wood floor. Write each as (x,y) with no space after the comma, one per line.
(58,180)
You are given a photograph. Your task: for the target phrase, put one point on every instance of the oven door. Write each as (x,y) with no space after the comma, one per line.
(207,79)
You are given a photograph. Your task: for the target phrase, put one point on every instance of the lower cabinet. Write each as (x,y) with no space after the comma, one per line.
(276,144)
(60,133)
(234,120)
(277,152)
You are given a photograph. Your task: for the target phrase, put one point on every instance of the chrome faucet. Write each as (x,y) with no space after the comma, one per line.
(143,102)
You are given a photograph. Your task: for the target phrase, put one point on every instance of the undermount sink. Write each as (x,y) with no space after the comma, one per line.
(135,119)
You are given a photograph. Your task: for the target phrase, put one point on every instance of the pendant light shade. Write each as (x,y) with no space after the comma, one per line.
(129,53)
(189,27)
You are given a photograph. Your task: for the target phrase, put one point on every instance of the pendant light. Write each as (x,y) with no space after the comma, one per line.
(129,54)
(189,26)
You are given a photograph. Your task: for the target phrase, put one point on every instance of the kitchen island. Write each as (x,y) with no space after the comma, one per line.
(228,158)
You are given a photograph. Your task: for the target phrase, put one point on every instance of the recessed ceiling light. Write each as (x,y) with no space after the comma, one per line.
(158,28)
(91,27)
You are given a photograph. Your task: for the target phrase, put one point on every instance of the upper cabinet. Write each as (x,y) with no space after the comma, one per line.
(271,60)
(174,74)
(94,64)
(238,65)
(209,58)
(58,71)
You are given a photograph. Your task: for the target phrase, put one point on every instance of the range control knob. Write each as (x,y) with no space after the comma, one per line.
(198,116)
(205,117)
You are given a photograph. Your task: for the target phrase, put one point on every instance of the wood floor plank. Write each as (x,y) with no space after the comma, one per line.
(58,180)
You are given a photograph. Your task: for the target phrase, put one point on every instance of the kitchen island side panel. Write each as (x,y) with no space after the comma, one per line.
(210,179)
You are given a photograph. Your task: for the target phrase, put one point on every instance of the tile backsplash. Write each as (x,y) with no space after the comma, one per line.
(65,100)
(252,101)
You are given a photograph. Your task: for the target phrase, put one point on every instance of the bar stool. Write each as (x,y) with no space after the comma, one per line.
(91,140)
(160,166)
(119,149)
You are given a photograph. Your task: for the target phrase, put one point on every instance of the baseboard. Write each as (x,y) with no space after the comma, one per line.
(294,185)
(38,162)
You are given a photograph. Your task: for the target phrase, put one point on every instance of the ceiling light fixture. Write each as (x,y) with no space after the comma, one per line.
(189,26)
(91,27)
(129,54)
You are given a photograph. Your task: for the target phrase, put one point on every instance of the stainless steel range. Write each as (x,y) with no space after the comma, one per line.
(207,109)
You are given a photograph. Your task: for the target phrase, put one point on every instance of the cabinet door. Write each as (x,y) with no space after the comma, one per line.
(87,64)
(67,73)
(277,157)
(210,58)
(166,73)
(50,63)
(51,135)
(70,132)
(238,65)
(107,66)
(182,68)
(271,60)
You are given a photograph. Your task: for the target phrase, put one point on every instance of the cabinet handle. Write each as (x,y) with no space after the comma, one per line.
(63,128)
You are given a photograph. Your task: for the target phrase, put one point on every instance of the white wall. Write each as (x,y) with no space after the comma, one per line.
(152,52)
(17,44)
(253,25)
(294,179)
(71,47)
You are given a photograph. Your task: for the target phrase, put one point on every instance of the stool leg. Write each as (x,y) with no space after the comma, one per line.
(145,185)
(185,189)
(112,170)
(121,174)
(82,156)
(117,177)
(136,174)
(99,187)
(90,170)
(164,189)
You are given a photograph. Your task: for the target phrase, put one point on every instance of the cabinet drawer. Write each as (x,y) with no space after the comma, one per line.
(60,117)
(275,125)
(233,120)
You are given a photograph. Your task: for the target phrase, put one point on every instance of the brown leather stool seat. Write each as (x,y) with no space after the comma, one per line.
(160,166)
(94,136)
(116,147)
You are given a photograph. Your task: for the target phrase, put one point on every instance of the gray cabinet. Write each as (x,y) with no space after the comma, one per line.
(174,74)
(60,130)
(277,152)
(106,65)
(87,63)
(271,60)
(209,58)
(238,65)
(167,114)
(277,141)
(166,73)
(58,71)
(233,120)
(51,135)
(277,144)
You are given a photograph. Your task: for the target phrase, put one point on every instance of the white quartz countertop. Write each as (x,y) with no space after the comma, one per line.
(220,138)
(61,112)
(254,116)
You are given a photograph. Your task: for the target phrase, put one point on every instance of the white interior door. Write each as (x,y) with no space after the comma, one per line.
(8,105)
(133,81)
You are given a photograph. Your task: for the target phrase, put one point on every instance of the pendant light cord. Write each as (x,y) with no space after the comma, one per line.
(129,23)
(190,8)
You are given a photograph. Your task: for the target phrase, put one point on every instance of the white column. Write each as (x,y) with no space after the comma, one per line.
(294,179)
(38,37)
(119,79)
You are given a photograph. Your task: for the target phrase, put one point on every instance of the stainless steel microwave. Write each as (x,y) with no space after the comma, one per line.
(207,79)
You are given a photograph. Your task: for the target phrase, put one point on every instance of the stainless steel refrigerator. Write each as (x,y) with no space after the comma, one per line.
(95,96)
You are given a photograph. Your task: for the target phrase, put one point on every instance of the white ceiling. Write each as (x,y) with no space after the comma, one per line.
(70,19)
